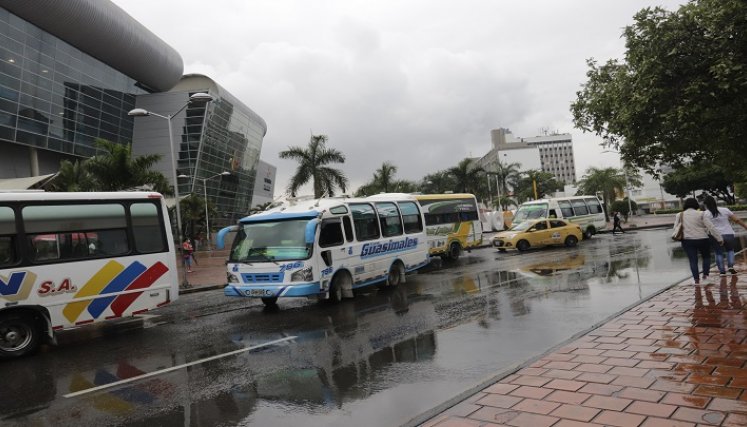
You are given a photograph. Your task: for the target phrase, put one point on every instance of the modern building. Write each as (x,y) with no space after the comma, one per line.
(551,153)
(264,185)
(212,138)
(70,71)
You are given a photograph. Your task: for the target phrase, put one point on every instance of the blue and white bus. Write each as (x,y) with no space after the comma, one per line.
(326,248)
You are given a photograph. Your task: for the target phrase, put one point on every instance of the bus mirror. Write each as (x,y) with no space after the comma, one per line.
(221,236)
(327,257)
(310,231)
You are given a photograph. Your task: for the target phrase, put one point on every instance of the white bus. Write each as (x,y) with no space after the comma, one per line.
(586,211)
(71,259)
(325,248)
(452,223)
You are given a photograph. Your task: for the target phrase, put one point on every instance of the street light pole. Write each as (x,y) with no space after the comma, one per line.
(204,190)
(140,112)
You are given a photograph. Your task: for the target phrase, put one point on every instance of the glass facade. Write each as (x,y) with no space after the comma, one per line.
(57,98)
(226,139)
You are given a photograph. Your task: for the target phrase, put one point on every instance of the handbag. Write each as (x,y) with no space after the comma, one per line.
(679,230)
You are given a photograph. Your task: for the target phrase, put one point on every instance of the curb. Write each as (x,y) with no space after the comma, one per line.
(490,380)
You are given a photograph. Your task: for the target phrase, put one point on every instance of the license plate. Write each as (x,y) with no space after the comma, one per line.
(259,293)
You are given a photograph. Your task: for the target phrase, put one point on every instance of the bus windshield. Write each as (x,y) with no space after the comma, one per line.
(271,241)
(534,211)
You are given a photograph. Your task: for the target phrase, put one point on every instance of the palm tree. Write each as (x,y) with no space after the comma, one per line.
(312,166)
(466,176)
(72,176)
(436,183)
(507,173)
(384,176)
(544,182)
(115,169)
(608,181)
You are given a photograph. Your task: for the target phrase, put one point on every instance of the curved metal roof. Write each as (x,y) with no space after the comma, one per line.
(106,32)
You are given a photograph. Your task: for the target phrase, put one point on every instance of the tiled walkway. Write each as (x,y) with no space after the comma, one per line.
(678,359)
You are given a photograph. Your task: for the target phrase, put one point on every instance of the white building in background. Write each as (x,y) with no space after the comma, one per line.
(552,152)
(264,184)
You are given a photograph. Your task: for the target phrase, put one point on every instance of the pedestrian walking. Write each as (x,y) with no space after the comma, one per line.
(616,223)
(696,228)
(722,219)
(187,250)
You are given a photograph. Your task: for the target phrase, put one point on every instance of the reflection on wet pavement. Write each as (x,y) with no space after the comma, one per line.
(405,349)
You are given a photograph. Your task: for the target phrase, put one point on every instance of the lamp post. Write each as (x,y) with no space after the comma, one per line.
(141,112)
(204,189)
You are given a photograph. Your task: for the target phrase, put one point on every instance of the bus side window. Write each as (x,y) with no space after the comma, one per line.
(61,232)
(411,217)
(146,228)
(579,207)
(348,228)
(7,237)
(565,208)
(594,206)
(391,223)
(365,221)
(330,233)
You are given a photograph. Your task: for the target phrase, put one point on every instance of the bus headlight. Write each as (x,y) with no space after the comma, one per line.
(232,278)
(302,275)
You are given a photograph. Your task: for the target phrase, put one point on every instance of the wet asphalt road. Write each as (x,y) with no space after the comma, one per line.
(377,360)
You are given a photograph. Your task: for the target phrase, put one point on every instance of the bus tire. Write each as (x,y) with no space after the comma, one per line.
(523,245)
(20,334)
(270,301)
(336,286)
(394,278)
(454,251)
(571,241)
(590,231)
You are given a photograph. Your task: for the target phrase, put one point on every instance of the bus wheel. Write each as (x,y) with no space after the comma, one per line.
(19,335)
(571,241)
(590,231)
(454,251)
(395,274)
(270,301)
(522,245)
(335,287)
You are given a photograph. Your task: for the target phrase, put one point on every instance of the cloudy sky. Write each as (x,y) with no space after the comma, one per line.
(419,83)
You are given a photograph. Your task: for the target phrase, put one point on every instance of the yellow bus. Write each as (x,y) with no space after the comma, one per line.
(452,223)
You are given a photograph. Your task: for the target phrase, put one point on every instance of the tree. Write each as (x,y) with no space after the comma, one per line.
(436,183)
(193,214)
(622,207)
(507,174)
(72,176)
(115,169)
(681,91)
(709,177)
(608,181)
(544,181)
(312,165)
(384,176)
(466,176)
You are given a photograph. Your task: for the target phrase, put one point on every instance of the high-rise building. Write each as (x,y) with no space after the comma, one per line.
(212,138)
(551,153)
(70,71)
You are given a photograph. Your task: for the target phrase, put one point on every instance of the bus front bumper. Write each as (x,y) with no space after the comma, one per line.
(272,291)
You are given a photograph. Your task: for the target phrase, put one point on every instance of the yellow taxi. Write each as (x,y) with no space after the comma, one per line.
(537,233)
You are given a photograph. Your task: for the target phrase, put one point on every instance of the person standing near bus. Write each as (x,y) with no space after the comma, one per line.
(721,218)
(187,250)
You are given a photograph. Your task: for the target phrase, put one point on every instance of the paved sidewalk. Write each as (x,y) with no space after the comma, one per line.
(677,359)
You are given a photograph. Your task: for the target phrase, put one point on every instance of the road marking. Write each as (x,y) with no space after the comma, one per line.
(174,368)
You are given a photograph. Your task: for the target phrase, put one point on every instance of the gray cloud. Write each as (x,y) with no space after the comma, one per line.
(418,83)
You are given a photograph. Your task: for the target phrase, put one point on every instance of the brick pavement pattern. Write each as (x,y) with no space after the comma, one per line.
(678,359)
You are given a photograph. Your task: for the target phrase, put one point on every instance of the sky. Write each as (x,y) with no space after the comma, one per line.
(418,83)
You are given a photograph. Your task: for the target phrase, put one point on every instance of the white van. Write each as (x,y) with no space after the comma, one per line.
(586,211)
